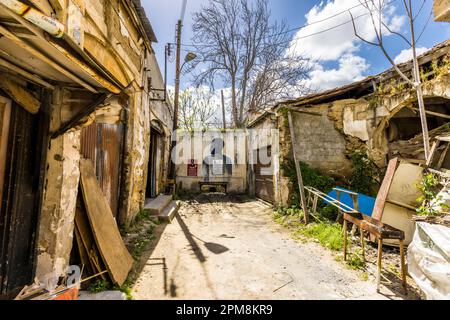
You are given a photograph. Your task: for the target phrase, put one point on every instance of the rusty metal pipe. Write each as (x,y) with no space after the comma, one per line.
(46,23)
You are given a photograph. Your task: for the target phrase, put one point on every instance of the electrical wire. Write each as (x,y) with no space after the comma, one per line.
(306,25)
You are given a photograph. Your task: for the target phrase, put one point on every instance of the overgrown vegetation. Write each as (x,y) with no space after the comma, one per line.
(328,234)
(365,175)
(102,285)
(431,204)
(311,178)
(141,243)
(99,286)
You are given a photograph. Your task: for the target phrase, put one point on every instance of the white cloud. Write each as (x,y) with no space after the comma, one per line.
(351,68)
(332,44)
(406,55)
(339,44)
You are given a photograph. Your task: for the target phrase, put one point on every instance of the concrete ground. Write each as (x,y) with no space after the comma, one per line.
(224,247)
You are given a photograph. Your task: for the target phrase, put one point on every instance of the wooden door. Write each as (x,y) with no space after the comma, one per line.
(264,186)
(21,189)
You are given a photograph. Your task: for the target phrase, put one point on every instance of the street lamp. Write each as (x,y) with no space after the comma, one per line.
(189,57)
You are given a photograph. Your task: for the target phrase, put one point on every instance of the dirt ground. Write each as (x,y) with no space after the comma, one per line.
(229,247)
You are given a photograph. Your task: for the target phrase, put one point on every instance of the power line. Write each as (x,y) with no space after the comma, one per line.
(306,25)
(297,38)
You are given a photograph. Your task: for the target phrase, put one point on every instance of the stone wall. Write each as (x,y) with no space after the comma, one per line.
(319,143)
(55,234)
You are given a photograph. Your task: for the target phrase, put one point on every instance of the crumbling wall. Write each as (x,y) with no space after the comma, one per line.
(55,235)
(351,125)
(319,142)
(136,155)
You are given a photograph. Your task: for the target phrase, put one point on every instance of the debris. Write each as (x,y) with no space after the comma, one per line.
(106,233)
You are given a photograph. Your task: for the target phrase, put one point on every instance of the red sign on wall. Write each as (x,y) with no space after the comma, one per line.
(192,169)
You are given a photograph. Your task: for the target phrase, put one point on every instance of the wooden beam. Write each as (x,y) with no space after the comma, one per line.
(436,114)
(31,77)
(81,115)
(20,95)
(312,113)
(45,59)
(298,169)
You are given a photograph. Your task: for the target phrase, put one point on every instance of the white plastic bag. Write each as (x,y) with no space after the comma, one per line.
(429,260)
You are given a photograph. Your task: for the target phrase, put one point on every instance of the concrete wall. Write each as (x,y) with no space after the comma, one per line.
(320,144)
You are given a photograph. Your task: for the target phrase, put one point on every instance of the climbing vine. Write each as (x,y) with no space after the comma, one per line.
(365,176)
(431,203)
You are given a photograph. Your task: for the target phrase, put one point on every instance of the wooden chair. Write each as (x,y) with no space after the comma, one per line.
(379,230)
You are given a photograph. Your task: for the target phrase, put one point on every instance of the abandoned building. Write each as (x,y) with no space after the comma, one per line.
(79,80)
(377,116)
(212,160)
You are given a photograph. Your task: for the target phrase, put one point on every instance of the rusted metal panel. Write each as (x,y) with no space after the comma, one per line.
(103,144)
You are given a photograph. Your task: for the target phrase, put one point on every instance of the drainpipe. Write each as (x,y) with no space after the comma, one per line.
(46,23)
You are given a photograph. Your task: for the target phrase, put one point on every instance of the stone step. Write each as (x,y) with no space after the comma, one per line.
(169,212)
(156,207)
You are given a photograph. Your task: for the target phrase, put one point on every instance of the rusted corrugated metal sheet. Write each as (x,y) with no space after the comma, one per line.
(103,143)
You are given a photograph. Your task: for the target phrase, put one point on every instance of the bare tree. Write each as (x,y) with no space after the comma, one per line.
(376,10)
(197,108)
(238,46)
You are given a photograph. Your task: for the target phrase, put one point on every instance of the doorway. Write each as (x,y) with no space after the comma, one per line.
(22,154)
(152,180)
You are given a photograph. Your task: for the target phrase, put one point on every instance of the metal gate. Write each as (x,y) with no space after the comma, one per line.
(264,187)
(103,144)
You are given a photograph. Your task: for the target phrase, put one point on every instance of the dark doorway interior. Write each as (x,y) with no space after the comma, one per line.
(21,195)
(151,190)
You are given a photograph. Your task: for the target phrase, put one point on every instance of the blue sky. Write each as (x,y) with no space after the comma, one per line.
(340,57)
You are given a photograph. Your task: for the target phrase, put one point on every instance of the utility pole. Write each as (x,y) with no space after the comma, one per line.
(176,106)
(177,76)
(223,111)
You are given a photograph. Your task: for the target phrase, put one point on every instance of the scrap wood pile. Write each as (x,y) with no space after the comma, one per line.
(100,248)
(413,149)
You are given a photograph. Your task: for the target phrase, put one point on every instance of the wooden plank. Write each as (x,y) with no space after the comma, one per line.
(443,156)
(298,168)
(20,95)
(5,116)
(86,237)
(432,153)
(84,256)
(382,196)
(106,233)
(45,59)
(384,190)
